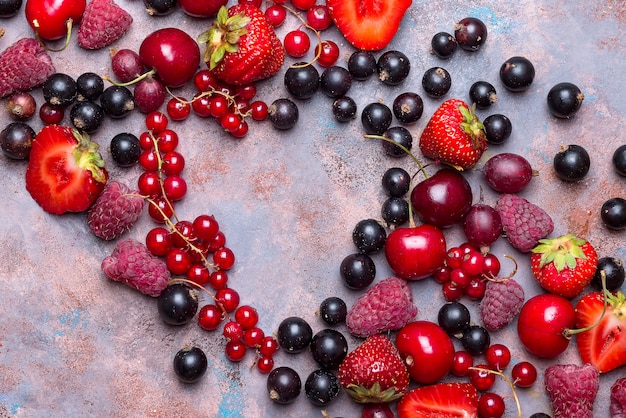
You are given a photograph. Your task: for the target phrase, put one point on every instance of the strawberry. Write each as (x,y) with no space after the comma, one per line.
(370,24)
(603,343)
(454,135)
(440,400)
(374,372)
(564,265)
(241,46)
(103,23)
(65,173)
(25,64)
(572,389)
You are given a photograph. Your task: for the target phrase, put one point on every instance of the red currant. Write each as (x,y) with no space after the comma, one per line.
(233,331)
(476,288)
(253,337)
(241,130)
(218,279)
(178,109)
(149,160)
(205,227)
(466,247)
(173,163)
(481,377)
(462,363)
(219,106)
(318,17)
(175,187)
(51,114)
(235,350)
(182,234)
(491,265)
(158,241)
(204,80)
(199,274)
(146,141)
(454,257)
(524,374)
(224,258)
(498,356)
(265,364)
(327,53)
(149,183)
(460,278)
(303,4)
(218,242)
(156,121)
(255,3)
(201,105)
(452,292)
(276,14)
(246,91)
(160,209)
(178,261)
(269,346)
(473,263)
(297,43)
(491,405)
(258,110)
(167,140)
(210,317)
(442,274)
(228,298)
(247,316)
(230,122)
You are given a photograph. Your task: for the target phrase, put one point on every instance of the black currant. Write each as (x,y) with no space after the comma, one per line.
(613,213)
(436,82)
(9,8)
(283,114)
(408,107)
(117,101)
(369,236)
(572,162)
(160,7)
(475,340)
(90,86)
(177,304)
(376,118)
(302,81)
(16,140)
(190,364)
(517,74)
(125,149)
(333,310)
(59,89)
(362,65)
(454,318)
(619,160)
(539,415)
(399,135)
(321,387)
(393,67)
(483,94)
(396,181)
(344,109)
(395,211)
(564,100)
(470,33)
(87,116)
(357,270)
(613,270)
(443,45)
(335,81)
(329,347)
(294,334)
(283,385)
(498,128)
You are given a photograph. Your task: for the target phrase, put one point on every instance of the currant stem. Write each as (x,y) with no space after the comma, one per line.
(508,381)
(204,289)
(131,82)
(317,34)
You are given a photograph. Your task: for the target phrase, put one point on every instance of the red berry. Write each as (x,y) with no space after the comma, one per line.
(149,160)
(498,356)
(156,122)
(230,122)
(303,4)
(452,292)
(51,114)
(442,274)
(454,257)
(219,106)
(167,140)
(233,331)
(265,364)
(178,109)
(160,209)
(258,110)
(145,141)
(218,242)
(253,337)
(218,279)
(269,346)
(224,258)
(481,377)
(201,105)
(182,234)
(205,227)
(524,374)
(158,241)
(228,298)
(327,53)
(297,43)
(473,263)
(246,91)
(247,316)
(173,163)
(241,130)
(491,265)
(235,350)
(255,3)
(476,288)
(276,14)
(178,261)
(318,17)
(199,274)
(148,183)
(460,278)
(491,405)
(175,187)
(210,317)
(462,363)
(204,80)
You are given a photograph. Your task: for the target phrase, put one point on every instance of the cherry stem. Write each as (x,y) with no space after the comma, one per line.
(568,333)
(131,82)
(403,148)
(69,22)
(508,381)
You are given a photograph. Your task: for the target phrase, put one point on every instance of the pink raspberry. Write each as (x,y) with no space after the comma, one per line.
(25,65)
(524,223)
(502,302)
(132,264)
(388,305)
(115,211)
(572,389)
(103,23)
(618,398)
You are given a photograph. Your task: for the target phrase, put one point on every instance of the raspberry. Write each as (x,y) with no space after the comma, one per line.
(103,23)
(618,399)
(132,264)
(25,64)
(524,223)
(115,211)
(388,305)
(572,389)
(502,302)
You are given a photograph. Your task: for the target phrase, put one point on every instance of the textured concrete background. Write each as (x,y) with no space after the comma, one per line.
(73,343)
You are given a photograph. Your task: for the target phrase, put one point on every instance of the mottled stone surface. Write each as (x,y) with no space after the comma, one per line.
(73,343)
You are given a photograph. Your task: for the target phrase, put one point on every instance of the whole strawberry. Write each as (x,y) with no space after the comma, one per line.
(618,398)
(25,64)
(374,372)
(132,264)
(454,135)
(501,303)
(115,211)
(241,46)
(564,265)
(523,223)
(388,305)
(65,172)
(572,389)
(103,23)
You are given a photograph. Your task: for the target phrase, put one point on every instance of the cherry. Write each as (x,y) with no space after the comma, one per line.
(415,253)
(524,374)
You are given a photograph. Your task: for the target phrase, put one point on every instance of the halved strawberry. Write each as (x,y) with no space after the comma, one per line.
(368,24)
(65,172)
(447,400)
(604,344)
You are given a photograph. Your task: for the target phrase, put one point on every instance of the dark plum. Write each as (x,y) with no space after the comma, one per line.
(564,100)
(517,74)
(571,163)
(613,213)
(393,67)
(470,33)
(357,270)
(149,95)
(283,385)
(283,114)
(619,160)
(177,304)
(294,334)
(482,225)
(395,211)
(87,116)
(508,172)
(436,82)
(190,364)
(344,109)
(408,107)
(90,86)
(483,93)
(443,45)
(126,65)
(376,118)
(329,347)
(369,236)
(302,81)
(613,270)
(362,65)
(333,310)
(396,181)
(16,140)
(498,128)
(321,387)
(335,81)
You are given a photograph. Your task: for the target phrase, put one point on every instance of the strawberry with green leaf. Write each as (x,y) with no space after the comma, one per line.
(448,400)
(65,172)
(374,372)
(368,24)
(454,135)
(564,265)
(241,46)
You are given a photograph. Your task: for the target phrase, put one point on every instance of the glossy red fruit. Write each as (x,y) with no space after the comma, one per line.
(543,324)
(427,351)
(481,378)
(524,374)
(201,8)
(415,253)
(49,18)
(173,54)
(443,198)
